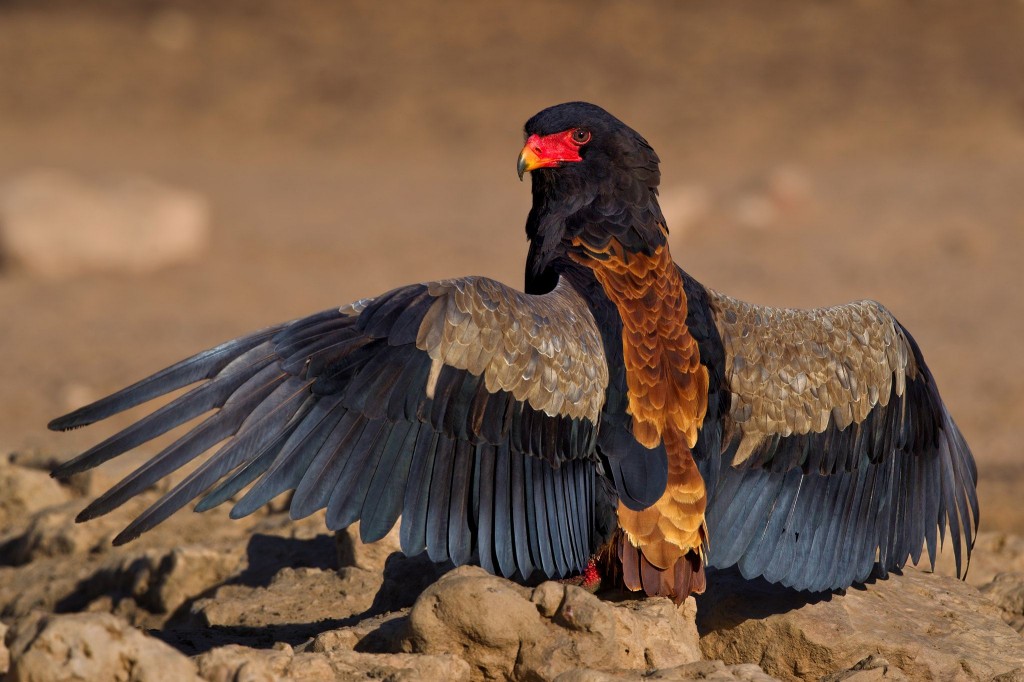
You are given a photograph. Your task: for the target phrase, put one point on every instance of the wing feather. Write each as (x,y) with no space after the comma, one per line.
(202,437)
(357,467)
(205,365)
(383,503)
(467,409)
(285,472)
(838,449)
(413,532)
(492,533)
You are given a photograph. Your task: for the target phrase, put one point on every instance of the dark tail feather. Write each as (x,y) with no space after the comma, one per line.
(689,577)
(629,557)
(637,573)
(655,579)
(203,365)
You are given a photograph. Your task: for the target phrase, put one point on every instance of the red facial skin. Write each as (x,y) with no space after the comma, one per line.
(551,151)
(554,149)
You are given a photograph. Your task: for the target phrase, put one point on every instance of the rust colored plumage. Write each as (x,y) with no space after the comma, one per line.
(662,547)
(667,384)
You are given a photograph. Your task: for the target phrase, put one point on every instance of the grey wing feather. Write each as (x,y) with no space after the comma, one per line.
(377,410)
(837,431)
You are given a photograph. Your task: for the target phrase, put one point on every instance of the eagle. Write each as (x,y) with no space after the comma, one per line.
(615,419)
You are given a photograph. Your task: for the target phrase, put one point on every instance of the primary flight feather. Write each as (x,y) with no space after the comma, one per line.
(617,417)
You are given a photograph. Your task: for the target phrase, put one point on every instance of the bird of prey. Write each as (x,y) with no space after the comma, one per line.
(616,419)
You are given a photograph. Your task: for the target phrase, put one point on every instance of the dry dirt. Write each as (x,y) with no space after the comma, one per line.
(812,153)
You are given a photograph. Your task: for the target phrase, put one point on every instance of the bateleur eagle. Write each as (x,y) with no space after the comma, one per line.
(617,417)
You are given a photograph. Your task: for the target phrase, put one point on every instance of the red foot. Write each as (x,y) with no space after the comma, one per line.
(590,579)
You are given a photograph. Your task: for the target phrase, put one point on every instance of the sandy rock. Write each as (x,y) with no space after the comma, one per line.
(91,646)
(994,553)
(376,634)
(235,663)
(352,551)
(868,670)
(24,491)
(1015,675)
(5,655)
(411,667)
(926,626)
(57,224)
(717,671)
(505,630)
(448,617)
(294,595)
(313,597)
(140,586)
(353,665)
(159,580)
(713,670)
(164,581)
(53,532)
(1007,592)
(37,586)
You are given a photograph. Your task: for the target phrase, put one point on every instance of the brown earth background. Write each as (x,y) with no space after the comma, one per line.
(813,153)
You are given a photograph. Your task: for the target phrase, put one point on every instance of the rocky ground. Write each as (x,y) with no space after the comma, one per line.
(174,174)
(267,598)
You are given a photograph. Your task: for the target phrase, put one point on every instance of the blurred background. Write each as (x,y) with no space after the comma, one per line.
(176,174)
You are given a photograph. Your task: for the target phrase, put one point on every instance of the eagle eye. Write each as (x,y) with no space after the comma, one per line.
(580,136)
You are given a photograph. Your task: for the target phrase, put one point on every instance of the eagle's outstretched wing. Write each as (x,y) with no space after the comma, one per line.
(837,449)
(470,409)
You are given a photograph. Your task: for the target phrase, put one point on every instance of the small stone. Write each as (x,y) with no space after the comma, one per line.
(24,491)
(333,640)
(1006,591)
(91,646)
(548,597)
(184,573)
(53,533)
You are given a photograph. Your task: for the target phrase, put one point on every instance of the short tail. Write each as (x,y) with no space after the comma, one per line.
(627,566)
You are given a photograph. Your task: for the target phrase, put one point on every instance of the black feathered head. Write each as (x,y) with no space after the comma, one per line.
(594,178)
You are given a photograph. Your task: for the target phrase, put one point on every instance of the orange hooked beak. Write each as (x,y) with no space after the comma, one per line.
(530,160)
(549,151)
